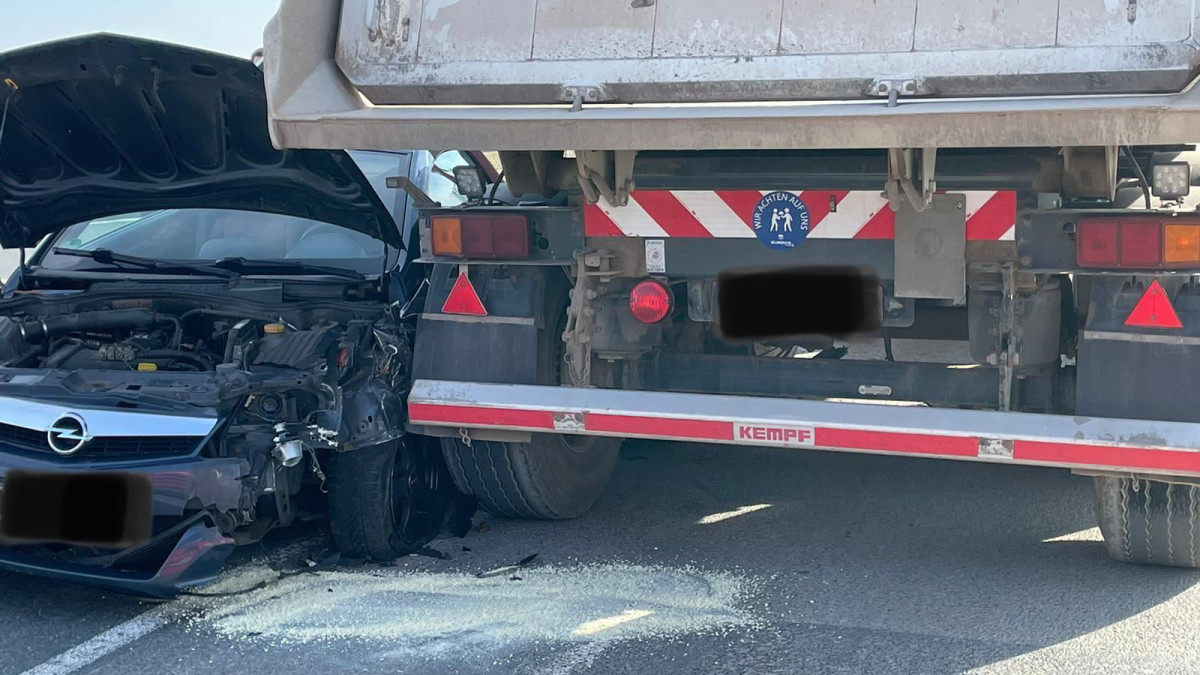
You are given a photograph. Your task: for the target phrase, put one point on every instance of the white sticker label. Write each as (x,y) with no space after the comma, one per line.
(656,256)
(784,437)
(994,447)
(568,421)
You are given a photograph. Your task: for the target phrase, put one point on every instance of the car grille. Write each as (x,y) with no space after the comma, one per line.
(22,437)
(108,447)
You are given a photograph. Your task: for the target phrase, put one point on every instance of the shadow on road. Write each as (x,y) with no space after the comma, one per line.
(1003,559)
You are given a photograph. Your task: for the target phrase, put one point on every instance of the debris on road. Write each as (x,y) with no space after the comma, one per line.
(430,552)
(430,614)
(500,571)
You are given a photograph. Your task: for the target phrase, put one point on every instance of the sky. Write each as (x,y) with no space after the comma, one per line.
(230,26)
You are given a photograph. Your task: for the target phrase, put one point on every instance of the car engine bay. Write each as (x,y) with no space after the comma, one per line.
(290,383)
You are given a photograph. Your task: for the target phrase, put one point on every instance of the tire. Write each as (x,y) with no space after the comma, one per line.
(1149,522)
(389,500)
(553,477)
(550,478)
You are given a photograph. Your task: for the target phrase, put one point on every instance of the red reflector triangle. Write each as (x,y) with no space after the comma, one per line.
(1154,310)
(463,299)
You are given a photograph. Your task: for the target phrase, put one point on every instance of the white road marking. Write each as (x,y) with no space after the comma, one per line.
(1086,534)
(726,515)
(601,625)
(105,643)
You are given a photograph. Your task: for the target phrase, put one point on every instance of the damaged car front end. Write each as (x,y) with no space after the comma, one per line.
(216,317)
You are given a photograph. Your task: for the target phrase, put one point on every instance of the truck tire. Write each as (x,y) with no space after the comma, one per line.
(553,477)
(1149,522)
(389,500)
(550,478)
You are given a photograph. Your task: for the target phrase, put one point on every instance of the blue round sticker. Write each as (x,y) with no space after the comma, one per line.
(781,220)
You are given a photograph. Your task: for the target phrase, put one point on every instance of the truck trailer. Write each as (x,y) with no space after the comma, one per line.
(704,199)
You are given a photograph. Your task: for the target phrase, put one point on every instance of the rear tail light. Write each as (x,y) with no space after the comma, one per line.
(650,301)
(447,236)
(490,236)
(1139,243)
(1181,244)
(1096,243)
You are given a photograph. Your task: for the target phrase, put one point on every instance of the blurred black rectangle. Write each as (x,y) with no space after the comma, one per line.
(837,301)
(110,510)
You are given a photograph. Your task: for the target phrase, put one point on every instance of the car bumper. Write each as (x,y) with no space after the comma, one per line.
(194,556)
(189,553)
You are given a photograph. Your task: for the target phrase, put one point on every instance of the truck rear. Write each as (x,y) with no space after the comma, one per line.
(704,208)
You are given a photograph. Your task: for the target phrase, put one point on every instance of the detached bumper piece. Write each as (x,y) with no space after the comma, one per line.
(188,554)
(1088,444)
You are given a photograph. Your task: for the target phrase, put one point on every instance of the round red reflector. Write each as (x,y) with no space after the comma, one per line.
(650,302)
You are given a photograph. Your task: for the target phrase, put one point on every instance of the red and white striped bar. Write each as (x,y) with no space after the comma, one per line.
(1091,443)
(729,214)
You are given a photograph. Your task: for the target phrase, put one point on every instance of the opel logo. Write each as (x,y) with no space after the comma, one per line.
(67,435)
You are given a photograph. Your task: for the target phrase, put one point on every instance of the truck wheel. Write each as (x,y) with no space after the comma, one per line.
(389,500)
(1149,522)
(550,478)
(553,477)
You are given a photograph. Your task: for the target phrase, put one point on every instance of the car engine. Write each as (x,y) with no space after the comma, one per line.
(291,382)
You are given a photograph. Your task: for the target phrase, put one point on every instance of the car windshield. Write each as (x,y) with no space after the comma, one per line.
(208,235)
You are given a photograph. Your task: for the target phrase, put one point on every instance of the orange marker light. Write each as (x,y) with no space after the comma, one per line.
(447,236)
(1181,244)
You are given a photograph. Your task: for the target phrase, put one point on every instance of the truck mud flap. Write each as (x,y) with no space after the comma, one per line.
(1089,444)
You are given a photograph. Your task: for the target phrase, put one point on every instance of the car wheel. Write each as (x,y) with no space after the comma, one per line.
(389,500)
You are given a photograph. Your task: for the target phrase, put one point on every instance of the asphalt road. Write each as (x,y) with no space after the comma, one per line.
(697,559)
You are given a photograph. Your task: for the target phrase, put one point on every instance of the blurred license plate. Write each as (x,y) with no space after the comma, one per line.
(94,509)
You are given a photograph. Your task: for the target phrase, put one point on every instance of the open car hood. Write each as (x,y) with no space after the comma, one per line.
(104,124)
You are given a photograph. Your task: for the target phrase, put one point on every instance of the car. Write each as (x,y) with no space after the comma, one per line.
(212,329)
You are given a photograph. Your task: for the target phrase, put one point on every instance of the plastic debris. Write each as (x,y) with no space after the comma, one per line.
(509,569)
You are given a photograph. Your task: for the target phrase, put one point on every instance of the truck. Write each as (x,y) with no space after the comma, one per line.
(726,191)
